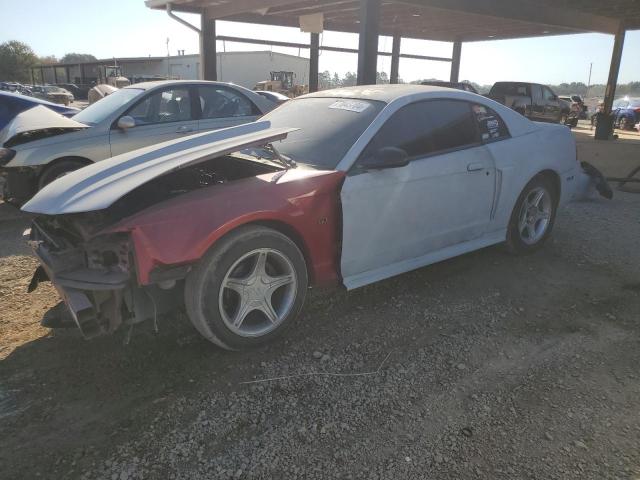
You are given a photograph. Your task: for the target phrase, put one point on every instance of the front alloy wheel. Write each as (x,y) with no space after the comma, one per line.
(247,289)
(258,292)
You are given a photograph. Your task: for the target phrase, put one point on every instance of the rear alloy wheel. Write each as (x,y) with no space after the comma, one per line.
(247,289)
(533,216)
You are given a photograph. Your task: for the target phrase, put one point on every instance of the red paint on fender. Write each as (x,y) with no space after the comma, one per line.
(182,229)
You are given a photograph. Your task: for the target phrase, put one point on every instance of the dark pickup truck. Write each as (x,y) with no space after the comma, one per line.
(534,101)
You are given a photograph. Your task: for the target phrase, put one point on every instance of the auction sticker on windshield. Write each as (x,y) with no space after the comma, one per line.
(350,105)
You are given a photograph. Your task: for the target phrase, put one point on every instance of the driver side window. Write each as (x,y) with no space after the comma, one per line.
(427,128)
(548,94)
(165,106)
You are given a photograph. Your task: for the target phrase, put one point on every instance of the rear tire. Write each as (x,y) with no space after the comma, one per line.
(248,289)
(533,216)
(57,170)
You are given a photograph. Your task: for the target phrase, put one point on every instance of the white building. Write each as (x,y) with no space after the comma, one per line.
(241,68)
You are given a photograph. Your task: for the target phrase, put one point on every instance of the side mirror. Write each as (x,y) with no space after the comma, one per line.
(386,157)
(126,122)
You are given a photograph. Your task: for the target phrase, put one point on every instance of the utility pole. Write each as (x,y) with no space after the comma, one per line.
(168,60)
(589,82)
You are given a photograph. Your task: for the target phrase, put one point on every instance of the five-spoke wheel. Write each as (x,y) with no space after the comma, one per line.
(247,288)
(533,216)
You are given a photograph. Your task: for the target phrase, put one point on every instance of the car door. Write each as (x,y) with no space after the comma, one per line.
(222,107)
(552,108)
(159,116)
(393,218)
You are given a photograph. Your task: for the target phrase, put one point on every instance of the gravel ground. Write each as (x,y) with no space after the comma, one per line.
(484,366)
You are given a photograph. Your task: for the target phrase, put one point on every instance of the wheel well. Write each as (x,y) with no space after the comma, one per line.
(83,160)
(292,234)
(53,163)
(554,178)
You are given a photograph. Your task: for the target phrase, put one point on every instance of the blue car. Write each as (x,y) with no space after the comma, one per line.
(627,113)
(11,104)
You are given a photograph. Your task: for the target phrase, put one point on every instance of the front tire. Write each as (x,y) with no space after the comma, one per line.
(533,216)
(57,170)
(248,289)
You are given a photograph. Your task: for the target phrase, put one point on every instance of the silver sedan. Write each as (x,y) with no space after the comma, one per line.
(40,146)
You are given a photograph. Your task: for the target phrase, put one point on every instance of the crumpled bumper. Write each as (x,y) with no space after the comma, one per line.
(94,297)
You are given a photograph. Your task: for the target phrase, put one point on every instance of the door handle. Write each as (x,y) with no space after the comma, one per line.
(474,167)
(184,129)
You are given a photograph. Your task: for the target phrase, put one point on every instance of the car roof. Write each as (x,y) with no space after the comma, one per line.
(162,83)
(383,93)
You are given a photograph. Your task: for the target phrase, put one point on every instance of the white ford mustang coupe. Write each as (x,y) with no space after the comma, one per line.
(342,187)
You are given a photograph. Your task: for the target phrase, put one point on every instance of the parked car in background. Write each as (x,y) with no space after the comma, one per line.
(11,104)
(40,146)
(626,112)
(572,111)
(534,101)
(15,87)
(74,89)
(53,94)
(276,97)
(467,87)
(339,187)
(577,108)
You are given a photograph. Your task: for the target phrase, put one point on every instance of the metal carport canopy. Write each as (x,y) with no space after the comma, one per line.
(444,20)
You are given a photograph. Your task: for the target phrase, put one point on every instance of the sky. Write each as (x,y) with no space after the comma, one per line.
(126,28)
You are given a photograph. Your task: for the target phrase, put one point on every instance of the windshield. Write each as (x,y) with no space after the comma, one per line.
(97,112)
(328,128)
(53,89)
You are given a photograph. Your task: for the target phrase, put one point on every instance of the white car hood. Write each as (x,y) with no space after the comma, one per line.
(99,185)
(37,118)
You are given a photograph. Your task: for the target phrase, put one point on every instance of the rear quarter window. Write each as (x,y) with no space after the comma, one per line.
(490,125)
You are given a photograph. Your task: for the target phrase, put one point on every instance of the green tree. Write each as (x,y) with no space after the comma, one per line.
(16,59)
(78,58)
(349,79)
(382,77)
(48,60)
(324,80)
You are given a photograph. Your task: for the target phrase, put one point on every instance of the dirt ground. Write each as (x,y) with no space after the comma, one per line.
(484,366)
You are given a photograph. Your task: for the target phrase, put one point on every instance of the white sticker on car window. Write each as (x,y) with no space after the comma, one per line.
(350,105)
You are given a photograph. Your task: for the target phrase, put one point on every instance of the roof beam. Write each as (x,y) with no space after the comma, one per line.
(236,7)
(526,11)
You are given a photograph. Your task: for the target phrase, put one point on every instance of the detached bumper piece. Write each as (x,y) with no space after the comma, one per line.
(94,297)
(591,181)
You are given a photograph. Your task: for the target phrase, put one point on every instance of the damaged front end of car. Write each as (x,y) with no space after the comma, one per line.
(108,275)
(94,275)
